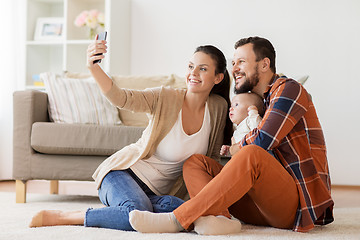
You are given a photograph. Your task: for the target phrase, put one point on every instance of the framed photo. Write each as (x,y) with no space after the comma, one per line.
(49,28)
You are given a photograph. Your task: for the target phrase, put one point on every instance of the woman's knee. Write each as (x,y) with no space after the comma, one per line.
(143,204)
(165,203)
(119,189)
(137,205)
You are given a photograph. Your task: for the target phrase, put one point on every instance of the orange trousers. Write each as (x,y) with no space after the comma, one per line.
(253,186)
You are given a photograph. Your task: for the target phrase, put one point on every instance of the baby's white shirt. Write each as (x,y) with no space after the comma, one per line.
(249,123)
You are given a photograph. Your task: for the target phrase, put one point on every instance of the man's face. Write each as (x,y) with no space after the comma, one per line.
(245,69)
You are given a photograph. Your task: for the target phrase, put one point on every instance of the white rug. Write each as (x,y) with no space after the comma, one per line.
(16,217)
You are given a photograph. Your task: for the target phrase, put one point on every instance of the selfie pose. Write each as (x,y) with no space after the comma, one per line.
(182,122)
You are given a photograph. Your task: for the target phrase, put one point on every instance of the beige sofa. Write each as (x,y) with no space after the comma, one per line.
(63,151)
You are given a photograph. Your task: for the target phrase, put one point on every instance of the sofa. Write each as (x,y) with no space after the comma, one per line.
(51,149)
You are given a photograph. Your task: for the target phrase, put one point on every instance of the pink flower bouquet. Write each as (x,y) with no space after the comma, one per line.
(93,19)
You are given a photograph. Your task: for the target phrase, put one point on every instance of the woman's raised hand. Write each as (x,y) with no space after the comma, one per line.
(95,51)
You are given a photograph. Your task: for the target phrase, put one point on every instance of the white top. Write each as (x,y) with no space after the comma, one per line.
(160,171)
(249,123)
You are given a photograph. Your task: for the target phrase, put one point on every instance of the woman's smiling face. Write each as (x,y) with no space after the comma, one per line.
(201,73)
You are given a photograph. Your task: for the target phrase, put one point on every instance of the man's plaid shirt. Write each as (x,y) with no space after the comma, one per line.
(291,129)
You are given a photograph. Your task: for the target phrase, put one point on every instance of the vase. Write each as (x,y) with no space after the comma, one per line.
(92,33)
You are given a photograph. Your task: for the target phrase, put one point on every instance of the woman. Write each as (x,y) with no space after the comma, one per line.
(181,123)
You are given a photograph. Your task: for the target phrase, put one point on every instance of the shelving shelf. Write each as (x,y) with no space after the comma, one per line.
(45,43)
(68,53)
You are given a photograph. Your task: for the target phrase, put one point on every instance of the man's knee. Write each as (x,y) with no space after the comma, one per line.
(250,150)
(194,160)
(252,154)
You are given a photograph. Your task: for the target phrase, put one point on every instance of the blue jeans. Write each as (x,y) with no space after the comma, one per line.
(122,191)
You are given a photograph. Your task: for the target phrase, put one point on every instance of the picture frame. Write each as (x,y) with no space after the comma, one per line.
(49,29)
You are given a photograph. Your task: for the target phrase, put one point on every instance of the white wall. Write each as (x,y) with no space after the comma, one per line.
(318,38)
(8,85)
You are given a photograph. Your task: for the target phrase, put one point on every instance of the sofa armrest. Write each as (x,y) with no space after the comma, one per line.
(29,106)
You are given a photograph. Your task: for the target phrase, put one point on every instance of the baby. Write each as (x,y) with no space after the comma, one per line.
(244,112)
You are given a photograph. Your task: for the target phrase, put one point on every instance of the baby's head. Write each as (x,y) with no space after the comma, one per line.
(240,103)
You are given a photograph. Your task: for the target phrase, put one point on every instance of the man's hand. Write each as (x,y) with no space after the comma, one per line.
(252,108)
(234,147)
(233,141)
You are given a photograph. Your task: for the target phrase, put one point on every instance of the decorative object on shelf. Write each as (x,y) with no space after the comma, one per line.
(93,19)
(37,82)
(49,28)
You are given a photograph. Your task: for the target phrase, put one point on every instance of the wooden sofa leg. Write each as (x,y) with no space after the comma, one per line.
(20,186)
(54,186)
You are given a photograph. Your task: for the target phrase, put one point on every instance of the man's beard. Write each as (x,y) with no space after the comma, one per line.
(249,83)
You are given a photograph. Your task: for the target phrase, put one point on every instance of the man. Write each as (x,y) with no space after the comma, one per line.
(289,188)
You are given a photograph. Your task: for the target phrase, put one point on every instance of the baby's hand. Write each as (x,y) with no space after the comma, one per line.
(224,150)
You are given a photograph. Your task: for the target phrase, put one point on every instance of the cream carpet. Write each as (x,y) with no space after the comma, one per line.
(16,217)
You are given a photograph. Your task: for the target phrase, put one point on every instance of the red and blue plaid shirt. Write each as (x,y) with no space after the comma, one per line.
(291,129)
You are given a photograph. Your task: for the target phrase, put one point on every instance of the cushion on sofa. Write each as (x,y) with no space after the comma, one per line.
(81,139)
(179,82)
(79,75)
(137,82)
(73,100)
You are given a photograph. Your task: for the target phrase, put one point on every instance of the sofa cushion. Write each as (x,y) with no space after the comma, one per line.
(129,118)
(137,82)
(81,139)
(73,100)
(179,82)
(141,82)
(134,119)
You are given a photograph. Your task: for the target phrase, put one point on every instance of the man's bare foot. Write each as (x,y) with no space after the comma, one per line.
(56,217)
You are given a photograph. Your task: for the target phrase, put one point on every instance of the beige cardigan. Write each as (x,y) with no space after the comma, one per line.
(163,105)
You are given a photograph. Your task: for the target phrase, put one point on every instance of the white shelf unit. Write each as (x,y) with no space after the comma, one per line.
(69,52)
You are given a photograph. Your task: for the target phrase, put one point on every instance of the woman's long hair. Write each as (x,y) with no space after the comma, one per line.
(222,88)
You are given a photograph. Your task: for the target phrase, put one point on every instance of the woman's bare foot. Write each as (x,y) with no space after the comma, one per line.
(56,217)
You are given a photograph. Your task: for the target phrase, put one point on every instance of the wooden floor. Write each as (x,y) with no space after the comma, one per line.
(344,196)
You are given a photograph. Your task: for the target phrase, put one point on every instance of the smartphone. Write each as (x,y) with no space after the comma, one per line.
(101,36)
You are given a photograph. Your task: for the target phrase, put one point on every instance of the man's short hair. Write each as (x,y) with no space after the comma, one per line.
(262,49)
